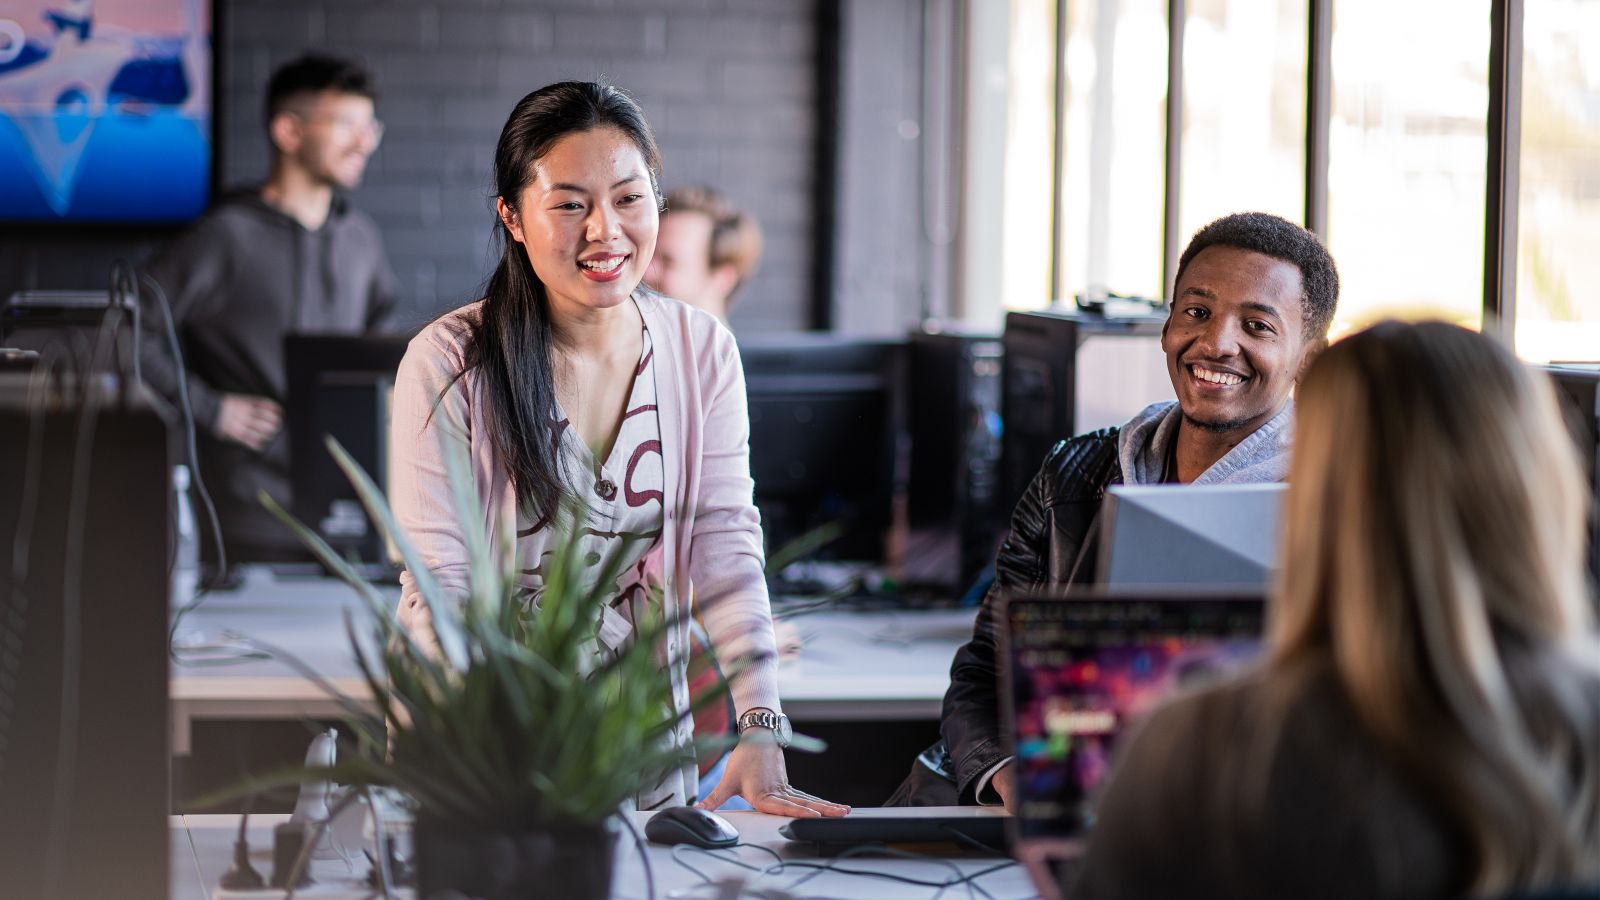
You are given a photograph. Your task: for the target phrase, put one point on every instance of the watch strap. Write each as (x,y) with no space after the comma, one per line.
(759,718)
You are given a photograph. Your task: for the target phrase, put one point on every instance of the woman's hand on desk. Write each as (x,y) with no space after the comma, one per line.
(756,773)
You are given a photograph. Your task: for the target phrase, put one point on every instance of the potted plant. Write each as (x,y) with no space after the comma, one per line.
(516,737)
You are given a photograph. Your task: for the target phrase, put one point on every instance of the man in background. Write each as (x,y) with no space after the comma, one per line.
(705,252)
(288,256)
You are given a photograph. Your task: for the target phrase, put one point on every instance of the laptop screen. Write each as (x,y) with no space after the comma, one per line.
(1081,668)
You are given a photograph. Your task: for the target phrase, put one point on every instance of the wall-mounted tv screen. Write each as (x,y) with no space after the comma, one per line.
(105,111)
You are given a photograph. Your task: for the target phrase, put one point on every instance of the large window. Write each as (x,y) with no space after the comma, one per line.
(1030,119)
(1113,148)
(1558,244)
(1407,156)
(1392,170)
(1005,236)
(1244,111)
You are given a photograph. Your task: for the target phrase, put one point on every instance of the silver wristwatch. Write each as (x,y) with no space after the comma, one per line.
(776,722)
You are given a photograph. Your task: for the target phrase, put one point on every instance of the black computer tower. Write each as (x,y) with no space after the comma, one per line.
(85,523)
(1040,385)
(953,490)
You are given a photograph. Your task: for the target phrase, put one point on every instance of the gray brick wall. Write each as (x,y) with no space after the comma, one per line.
(729,86)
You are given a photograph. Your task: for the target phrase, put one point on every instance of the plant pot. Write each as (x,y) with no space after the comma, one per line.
(567,861)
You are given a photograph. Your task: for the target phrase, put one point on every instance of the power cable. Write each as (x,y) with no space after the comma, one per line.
(187,411)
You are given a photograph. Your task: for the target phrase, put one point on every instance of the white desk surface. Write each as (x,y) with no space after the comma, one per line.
(852,666)
(202,850)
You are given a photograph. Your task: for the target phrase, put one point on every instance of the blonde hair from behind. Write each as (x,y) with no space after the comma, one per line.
(1433,552)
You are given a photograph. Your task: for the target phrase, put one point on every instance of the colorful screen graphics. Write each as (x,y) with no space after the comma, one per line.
(105,110)
(1082,670)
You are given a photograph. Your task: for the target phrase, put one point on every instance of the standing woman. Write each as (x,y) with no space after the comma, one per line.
(568,384)
(1427,722)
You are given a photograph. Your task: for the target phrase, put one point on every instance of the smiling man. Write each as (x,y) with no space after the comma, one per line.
(288,256)
(1254,297)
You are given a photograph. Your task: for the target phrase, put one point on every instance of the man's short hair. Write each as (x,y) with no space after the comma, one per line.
(735,236)
(1281,239)
(314,73)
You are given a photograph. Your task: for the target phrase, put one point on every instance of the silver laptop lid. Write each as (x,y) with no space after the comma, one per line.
(1188,535)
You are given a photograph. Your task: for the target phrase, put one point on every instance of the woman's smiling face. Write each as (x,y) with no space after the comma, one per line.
(587,219)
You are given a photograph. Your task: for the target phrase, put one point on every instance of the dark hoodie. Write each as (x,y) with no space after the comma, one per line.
(242,278)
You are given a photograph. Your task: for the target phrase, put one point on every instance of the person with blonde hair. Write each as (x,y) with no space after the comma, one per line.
(1426,722)
(706,250)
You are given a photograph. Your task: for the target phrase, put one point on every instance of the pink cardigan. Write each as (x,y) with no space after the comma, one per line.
(712,548)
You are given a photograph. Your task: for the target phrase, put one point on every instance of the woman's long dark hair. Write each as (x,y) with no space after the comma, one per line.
(510,341)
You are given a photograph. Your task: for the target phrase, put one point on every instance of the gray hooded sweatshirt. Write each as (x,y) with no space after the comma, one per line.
(241,279)
(1261,458)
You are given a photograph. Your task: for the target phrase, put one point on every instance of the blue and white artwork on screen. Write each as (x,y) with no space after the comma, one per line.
(105,110)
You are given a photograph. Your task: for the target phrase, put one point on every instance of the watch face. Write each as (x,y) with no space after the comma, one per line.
(783,732)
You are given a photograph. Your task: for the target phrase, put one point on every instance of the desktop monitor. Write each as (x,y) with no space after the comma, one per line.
(106,111)
(1068,373)
(84,603)
(825,434)
(1578,389)
(1187,535)
(340,386)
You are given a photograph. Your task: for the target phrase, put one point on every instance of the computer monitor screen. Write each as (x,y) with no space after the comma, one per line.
(824,430)
(1578,389)
(1220,535)
(342,387)
(1081,668)
(105,111)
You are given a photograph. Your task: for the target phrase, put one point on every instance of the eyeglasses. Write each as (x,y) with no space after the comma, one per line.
(372,128)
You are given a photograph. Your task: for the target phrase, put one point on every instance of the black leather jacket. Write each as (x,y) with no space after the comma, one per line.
(1053,541)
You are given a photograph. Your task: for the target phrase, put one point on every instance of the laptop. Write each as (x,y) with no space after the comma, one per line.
(1079,669)
(1222,535)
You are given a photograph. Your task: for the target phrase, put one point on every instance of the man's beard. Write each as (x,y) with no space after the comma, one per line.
(1217,426)
(325,175)
(326,178)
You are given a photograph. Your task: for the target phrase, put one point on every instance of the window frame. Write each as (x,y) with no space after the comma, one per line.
(1503,118)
